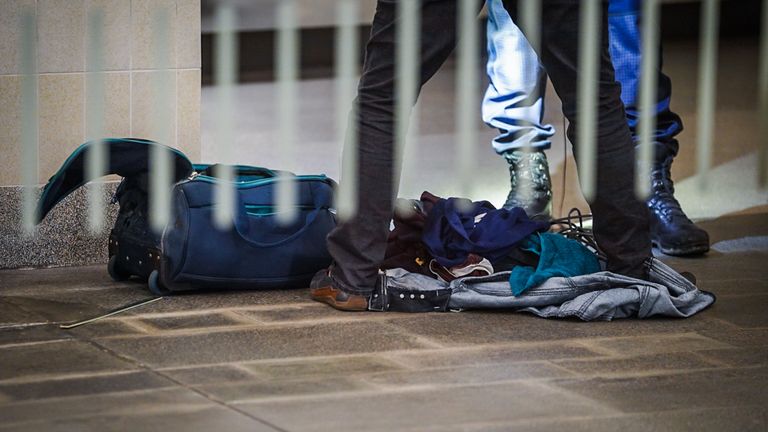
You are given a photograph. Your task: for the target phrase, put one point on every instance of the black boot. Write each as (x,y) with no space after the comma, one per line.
(530,185)
(671,230)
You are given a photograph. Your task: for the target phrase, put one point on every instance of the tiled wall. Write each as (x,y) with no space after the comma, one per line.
(130,66)
(260,14)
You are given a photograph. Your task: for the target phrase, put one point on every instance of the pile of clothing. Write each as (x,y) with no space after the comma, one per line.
(455,254)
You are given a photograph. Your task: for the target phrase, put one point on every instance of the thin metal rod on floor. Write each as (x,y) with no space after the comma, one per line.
(162,107)
(29,126)
(287,49)
(113,312)
(226,61)
(649,79)
(589,62)
(347,46)
(710,22)
(96,163)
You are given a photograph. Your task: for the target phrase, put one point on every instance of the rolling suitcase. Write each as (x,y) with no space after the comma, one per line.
(133,246)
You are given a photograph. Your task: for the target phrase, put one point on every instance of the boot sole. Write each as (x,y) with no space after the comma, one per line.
(692,250)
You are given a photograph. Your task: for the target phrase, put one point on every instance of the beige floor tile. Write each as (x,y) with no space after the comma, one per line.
(10,39)
(116,24)
(10,129)
(144,42)
(188,113)
(188,34)
(61,35)
(117,107)
(153,106)
(61,119)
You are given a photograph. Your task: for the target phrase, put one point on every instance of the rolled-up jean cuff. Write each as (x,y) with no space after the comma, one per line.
(505,148)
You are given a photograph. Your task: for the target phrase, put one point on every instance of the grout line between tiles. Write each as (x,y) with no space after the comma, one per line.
(205,395)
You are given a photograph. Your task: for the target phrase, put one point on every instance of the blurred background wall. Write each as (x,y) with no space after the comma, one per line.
(256,30)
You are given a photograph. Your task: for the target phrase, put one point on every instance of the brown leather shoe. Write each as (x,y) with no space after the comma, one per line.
(323,290)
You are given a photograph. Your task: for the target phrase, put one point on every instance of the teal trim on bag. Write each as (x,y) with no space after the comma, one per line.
(261,182)
(270,210)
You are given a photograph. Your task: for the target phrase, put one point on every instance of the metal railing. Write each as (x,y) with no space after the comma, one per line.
(407,81)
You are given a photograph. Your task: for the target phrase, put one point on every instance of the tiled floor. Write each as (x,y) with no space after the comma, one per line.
(276,361)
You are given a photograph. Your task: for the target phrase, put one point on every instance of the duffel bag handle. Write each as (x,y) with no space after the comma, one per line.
(242,225)
(239,170)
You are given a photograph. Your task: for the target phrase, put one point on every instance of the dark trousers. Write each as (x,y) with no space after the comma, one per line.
(620,221)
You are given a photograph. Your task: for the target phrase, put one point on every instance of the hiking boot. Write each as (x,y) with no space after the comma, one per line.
(323,289)
(671,230)
(530,185)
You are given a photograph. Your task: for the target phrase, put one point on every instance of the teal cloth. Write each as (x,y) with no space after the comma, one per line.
(558,257)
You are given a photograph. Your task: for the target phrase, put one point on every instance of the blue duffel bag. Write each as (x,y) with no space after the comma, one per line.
(254,252)
(257,251)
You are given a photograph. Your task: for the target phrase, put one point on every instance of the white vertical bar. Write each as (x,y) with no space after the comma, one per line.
(710,22)
(530,22)
(226,61)
(407,79)
(467,91)
(763,119)
(649,79)
(96,165)
(287,51)
(162,107)
(347,48)
(589,62)
(29,148)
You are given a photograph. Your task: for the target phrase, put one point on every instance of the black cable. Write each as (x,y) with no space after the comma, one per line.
(572,227)
(565,170)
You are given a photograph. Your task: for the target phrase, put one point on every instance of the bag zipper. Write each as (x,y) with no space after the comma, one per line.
(251,183)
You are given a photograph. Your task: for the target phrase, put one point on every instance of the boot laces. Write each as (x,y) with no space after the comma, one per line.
(662,200)
(530,168)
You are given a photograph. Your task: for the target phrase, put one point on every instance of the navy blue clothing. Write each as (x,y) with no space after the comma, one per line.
(451,234)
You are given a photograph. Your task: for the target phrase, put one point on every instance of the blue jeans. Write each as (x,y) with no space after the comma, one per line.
(601,296)
(514,101)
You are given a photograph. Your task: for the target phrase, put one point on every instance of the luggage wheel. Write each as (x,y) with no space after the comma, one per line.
(114,270)
(156,286)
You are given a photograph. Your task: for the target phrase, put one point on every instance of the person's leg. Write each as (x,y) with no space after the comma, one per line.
(514,100)
(514,104)
(625,48)
(620,220)
(358,245)
(671,230)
